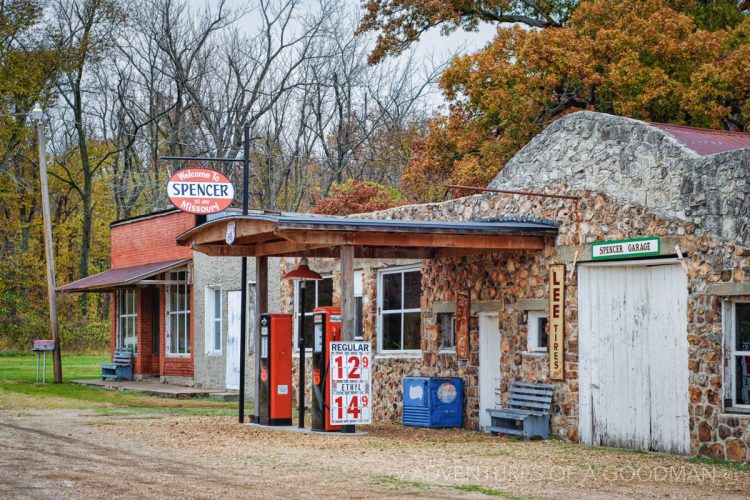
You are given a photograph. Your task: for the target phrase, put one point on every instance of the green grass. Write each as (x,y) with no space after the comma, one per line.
(18,390)
(737,466)
(476,488)
(396,483)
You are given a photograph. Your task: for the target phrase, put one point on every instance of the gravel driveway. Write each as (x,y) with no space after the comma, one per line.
(79,453)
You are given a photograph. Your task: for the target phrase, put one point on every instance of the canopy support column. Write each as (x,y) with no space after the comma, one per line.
(347,292)
(261,307)
(346,260)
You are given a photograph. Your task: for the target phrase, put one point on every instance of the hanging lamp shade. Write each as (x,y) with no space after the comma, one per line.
(303,272)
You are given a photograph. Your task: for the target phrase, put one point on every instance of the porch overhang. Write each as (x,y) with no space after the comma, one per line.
(304,235)
(113,279)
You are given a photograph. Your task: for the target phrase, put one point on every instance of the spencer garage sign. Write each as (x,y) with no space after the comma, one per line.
(623,249)
(200,191)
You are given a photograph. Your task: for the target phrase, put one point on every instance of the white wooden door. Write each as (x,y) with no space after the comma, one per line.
(633,356)
(234,308)
(489,366)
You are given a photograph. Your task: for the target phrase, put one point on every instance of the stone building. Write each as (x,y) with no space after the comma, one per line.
(686,365)
(652,225)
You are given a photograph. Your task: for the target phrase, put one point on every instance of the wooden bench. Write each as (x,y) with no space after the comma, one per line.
(121,367)
(527,413)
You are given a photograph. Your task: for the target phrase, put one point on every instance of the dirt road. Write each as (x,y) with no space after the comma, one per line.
(79,453)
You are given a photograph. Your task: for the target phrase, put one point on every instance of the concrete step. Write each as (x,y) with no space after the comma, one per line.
(225,396)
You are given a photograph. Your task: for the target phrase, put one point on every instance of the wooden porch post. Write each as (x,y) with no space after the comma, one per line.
(347,292)
(346,257)
(261,307)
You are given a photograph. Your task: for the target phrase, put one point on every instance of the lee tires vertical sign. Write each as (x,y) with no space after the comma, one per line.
(350,383)
(556,321)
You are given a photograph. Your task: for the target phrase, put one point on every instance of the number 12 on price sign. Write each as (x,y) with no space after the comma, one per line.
(350,383)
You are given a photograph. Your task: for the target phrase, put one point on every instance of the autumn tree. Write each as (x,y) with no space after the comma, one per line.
(645,59)
(399,23)
(353,196)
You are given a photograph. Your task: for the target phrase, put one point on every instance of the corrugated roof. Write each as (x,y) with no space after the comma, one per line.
(125,276)
(337,223)
(706,141)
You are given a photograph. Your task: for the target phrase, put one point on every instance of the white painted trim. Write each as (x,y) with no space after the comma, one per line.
(532,333)
(119,338)
(209,320)
(395,270)
(185,313)
(731,335)
(631,263)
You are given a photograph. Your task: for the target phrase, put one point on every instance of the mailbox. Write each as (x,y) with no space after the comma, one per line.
(327,328)
(275,370)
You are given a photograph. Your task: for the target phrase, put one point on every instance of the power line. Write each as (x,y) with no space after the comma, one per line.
(312,157)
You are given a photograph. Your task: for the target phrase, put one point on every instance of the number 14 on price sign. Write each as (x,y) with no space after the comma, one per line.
(350,383)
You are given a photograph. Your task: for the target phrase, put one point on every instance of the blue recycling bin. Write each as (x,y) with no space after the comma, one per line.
(433,402)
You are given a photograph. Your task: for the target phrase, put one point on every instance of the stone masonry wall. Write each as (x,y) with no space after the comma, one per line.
(509,277)
(634,162)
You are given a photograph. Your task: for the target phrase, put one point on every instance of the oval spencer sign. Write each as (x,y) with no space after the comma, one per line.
(200,190)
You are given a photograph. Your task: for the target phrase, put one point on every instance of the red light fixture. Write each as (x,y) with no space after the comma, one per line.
(303,272)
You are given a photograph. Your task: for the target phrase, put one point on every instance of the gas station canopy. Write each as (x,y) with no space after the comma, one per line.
(297,235)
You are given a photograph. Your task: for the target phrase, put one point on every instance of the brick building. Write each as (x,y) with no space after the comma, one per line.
(178,311)
(151,294)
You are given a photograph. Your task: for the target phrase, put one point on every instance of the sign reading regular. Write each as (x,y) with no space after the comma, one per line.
(200,191)
(350,383)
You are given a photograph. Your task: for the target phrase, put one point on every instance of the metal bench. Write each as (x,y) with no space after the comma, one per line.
(121,367)
(527,414)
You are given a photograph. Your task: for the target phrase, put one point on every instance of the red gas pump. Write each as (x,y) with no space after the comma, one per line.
(327,321)
(275,370)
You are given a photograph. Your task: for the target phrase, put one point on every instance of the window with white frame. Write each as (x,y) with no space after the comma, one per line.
(538,331)
(178,314)
(213,320)
(317,294)
(738,349)
(400,317)
(127,320)
(447,326)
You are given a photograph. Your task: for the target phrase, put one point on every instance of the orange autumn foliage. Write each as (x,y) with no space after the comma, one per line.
(353,196)
(645,59)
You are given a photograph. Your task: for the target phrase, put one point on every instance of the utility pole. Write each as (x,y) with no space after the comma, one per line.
(37,116)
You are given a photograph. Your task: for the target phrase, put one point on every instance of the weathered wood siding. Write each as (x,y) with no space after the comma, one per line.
(634,357)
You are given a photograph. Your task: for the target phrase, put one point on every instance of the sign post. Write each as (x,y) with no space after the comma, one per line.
(243,272)
(350,383)
(43,346)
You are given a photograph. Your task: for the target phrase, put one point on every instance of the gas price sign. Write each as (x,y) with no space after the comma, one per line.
(350,383)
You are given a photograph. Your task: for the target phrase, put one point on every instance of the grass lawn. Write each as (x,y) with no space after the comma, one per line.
(18,390)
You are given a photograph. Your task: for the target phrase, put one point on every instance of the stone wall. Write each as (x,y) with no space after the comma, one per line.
(512,277)
(634,162)
(506,281)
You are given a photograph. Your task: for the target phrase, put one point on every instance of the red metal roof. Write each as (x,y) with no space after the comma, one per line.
(706,141)
(115,278)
